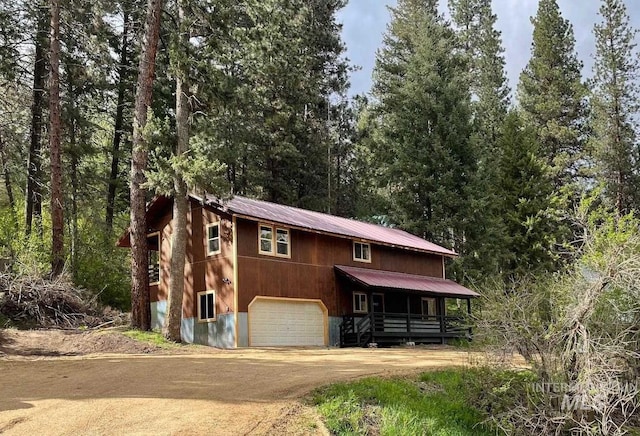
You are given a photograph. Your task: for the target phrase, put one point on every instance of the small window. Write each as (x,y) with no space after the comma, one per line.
(361,252)
(273,241)
(360,302)
(282,242)
(206,306)
(266,239)
(428,306)
(153,242)
(213,239)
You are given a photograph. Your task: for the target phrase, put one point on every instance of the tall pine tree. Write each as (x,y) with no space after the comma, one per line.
(527,203)
(552,95)
(422,125)
(614,105)
(482,43)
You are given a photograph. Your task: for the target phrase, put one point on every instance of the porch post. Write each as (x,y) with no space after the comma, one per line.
(442,314)
(469,314)
(408,313)
(371,317)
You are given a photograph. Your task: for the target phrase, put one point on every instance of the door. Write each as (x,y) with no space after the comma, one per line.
(377,307)
(287,322)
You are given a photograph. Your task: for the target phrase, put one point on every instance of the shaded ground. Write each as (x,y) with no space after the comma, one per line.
(38,343)
(190,390)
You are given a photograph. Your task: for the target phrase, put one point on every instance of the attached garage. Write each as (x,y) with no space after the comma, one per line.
(287,322)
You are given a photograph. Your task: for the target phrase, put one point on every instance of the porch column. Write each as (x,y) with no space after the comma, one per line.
(371,318)
(442,314)
(408,313)
(469,315)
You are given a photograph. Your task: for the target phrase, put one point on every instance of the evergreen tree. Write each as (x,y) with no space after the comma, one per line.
(614,105)
(55,147)
(527,202)
(422,125)
(552,95)
(280,64)
(140,311)
(482,44)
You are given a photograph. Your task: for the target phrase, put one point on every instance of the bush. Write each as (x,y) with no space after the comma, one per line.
(578,329)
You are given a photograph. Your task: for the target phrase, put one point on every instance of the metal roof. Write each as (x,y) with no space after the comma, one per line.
(394,280)
(317,221)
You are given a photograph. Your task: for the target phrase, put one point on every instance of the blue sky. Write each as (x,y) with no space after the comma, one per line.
(365,21)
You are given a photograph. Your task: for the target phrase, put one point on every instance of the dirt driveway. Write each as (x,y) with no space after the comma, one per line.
(235,392)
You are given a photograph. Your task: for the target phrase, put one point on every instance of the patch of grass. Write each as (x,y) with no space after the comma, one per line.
(154,338)
(434,404)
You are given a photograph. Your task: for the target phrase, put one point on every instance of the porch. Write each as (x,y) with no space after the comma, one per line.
(393,308)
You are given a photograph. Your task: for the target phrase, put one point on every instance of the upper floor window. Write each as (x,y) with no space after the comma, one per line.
(273,241)
(206,306)
(282,242)
(153,242)
(361,252)
(213,238)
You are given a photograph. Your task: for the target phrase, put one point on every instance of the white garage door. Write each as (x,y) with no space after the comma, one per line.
(286,322)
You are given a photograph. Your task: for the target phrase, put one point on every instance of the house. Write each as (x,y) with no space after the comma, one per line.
(264,274)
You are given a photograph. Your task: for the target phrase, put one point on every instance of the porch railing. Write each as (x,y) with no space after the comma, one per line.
(357,329)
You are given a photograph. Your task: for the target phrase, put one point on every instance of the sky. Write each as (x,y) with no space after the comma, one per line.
(365,21)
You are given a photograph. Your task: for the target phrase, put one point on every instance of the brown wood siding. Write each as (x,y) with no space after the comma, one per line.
(309,272)
(202,272)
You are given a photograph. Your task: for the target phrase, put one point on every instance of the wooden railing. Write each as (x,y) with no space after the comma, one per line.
(362,328)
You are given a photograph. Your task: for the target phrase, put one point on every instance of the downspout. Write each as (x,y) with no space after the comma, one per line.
(236,314)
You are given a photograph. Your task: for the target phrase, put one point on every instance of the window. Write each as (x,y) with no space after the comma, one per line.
(266,239)
(153,241)
(213,239)
(360,302)
(282,242)
(361,252)
(273,243)
(206,306)
(428,306)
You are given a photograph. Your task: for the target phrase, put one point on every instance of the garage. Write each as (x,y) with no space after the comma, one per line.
(287,322)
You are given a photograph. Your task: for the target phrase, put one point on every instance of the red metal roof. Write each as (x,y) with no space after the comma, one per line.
(394,280)
(306,219)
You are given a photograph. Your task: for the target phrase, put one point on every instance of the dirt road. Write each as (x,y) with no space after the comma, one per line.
(235,392)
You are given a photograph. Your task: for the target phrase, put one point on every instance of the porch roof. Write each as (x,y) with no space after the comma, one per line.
(394,280)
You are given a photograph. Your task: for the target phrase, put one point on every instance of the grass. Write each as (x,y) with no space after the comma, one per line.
(436,403)
(154,338)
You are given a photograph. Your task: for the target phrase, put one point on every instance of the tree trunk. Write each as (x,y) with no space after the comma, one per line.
(140,310)
(181,202)
(57,221)
(74,200)
(7,179)
(119,121)
(33,195)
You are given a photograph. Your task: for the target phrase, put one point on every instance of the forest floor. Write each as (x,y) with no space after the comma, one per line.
(59,382)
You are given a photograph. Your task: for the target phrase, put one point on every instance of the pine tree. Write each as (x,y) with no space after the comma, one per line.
(55,147)
(422,125)
(614,105)
(33,194)
(181,53)
(482,43)
(140,311)
(552,95)
(527,203)
(281,61)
